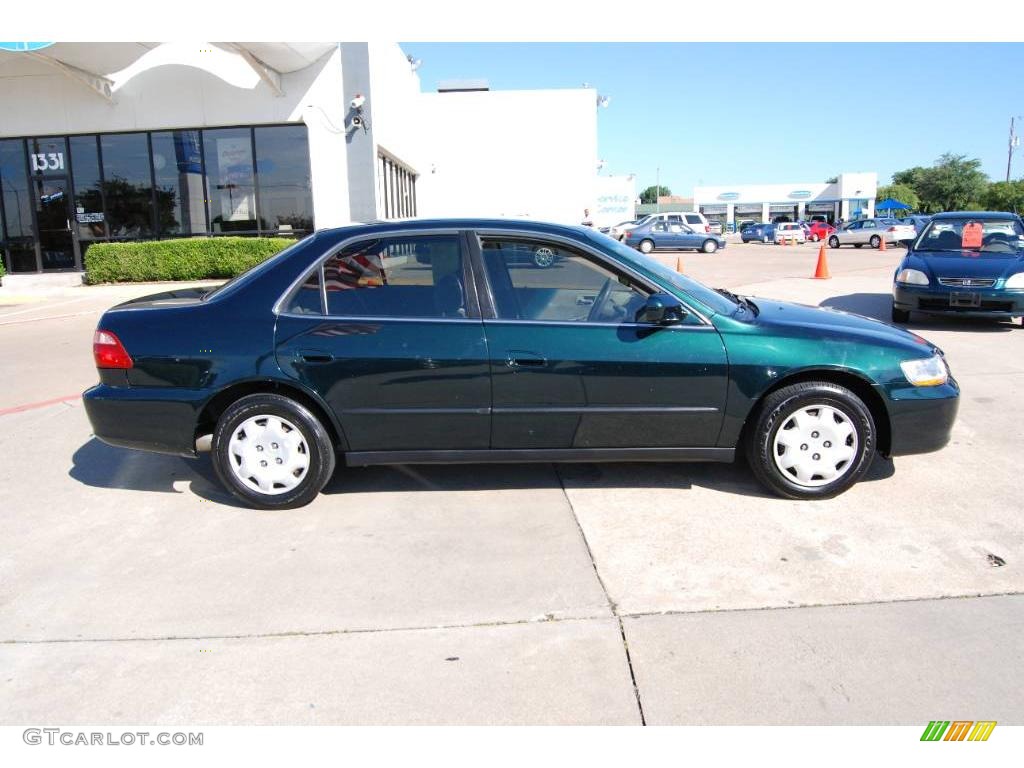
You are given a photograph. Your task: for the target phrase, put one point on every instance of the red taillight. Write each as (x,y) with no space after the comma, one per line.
(707,227)
(892,229)
(109,352)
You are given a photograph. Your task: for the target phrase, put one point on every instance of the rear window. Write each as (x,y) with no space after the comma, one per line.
(990,235)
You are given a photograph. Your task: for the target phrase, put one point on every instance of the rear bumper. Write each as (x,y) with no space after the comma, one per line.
(144,418)
(922,418)
(995,303)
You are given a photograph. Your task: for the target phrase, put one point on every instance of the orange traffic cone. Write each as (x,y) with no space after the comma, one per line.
(679,264)
(881,244)
(821,271)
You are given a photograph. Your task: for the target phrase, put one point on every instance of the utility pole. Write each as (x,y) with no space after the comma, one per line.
(657,189)
(1014,141)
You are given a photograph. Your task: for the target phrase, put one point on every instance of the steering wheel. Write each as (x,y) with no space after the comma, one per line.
(600,301)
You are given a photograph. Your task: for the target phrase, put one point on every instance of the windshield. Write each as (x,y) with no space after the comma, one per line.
(982,235)
(253,271)
(706,296)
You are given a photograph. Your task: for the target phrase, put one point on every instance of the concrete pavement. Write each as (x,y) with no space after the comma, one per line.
(133,590)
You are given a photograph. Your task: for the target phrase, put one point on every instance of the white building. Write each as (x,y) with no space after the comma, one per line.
(129,141)
(851,196)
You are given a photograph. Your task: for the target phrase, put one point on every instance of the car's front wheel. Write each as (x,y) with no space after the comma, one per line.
(876,241)
(543,257)
(814,238)
(833,242)
(811,440)
(271,452)
(646,246)
(710,246)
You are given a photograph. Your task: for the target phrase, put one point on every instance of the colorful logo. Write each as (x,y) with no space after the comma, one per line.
(800,194)
(958,730)
(729,196)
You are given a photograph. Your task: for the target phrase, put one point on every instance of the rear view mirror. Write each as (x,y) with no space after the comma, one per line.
(661,309)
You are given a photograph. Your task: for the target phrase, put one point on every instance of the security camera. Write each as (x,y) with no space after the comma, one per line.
(357,121)
(357,101)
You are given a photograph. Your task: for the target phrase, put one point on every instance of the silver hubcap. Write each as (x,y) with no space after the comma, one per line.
(709,247)
(543,257)
(268,454)
(816,445)
(646,246)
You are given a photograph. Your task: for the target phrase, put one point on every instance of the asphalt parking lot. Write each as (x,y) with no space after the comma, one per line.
(132,589)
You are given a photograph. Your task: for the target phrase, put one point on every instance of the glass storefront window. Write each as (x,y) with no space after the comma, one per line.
(178,169)
(88,196)
(14,183)
(285,187)
(229,179)
(127,185)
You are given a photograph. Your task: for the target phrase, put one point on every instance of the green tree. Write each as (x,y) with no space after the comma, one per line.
(910,177)
(902,192)
(652,193)
(953,183)
(1004,196)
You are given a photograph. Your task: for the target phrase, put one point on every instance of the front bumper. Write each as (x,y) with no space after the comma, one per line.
(156,419)
(935,300)
(922,418)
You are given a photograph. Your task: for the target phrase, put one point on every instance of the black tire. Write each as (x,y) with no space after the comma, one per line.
(646,246)
(900,315)
(875,241)
(710,246)
(833,242)
(776,412)
(315,438)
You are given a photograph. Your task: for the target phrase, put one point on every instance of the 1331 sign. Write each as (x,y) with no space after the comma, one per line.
(49,161)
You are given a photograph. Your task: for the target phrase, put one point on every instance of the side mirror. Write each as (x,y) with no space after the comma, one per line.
(661,309)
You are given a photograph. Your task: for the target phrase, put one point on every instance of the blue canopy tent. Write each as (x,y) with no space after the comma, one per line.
(891,205)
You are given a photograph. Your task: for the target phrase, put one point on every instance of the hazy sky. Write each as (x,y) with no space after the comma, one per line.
(734,113)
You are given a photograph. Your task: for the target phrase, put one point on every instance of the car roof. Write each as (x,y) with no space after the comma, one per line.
(524,225)
(975,215)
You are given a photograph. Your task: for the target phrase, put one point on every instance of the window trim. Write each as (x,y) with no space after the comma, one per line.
(488,307)
(473,306)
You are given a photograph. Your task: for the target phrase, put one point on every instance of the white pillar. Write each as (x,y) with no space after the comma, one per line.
(801,211)
(730,213)
(328,159)
(766,214)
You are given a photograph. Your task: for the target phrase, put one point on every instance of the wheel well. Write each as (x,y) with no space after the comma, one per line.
(852,382)
(219,403)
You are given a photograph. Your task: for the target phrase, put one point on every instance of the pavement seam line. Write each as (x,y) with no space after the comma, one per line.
(611,603)
(301,633)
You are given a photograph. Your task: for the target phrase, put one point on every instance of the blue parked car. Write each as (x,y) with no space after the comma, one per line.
(763,233)
(963,263)
(672,236)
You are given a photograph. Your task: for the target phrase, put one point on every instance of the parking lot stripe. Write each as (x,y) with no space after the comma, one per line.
(40,404)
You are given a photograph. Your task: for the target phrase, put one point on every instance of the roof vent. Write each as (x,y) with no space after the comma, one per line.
(456,86)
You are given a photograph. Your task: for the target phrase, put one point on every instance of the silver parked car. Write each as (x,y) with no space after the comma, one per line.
(871,232)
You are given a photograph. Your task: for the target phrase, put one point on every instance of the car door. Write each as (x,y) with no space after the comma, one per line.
(866,230)
(682,236)
(387,331)
(850,233)
(661,235)
(571,368)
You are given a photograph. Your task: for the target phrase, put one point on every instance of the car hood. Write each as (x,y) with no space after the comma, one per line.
(835,323)
(176,298)
(969,263)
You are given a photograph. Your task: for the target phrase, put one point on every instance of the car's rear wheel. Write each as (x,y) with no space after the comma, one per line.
(900,315)
(271,452)
(646,246)
(814,238)
(875,241)
(543,257)
(833,242)
(710,246)
(811,440)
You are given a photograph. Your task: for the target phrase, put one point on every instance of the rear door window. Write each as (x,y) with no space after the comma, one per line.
(416,276)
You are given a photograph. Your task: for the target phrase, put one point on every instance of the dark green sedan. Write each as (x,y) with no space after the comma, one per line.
(435,341)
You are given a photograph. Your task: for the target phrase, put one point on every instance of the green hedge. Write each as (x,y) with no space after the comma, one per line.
(193,258)
(2,270)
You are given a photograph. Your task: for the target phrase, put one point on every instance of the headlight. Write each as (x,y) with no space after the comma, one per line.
(912,277)
(929,372)
(1015,281)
